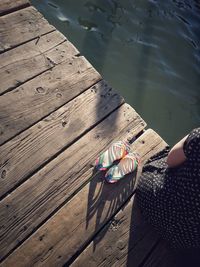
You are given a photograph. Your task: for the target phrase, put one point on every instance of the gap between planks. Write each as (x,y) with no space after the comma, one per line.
(147,145)
(33,58)
(8,6)
(34,100)
(58,229)
(31,150)
(124,241)
(22,26)
(35,200)
(21,43)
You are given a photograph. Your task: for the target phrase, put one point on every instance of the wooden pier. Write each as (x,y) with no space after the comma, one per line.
(56,115)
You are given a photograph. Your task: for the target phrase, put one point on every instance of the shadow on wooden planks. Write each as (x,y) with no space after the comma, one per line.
(106,194)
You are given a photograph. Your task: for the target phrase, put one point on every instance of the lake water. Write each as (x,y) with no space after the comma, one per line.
(149,51)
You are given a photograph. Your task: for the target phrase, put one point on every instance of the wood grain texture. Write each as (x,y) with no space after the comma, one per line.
(32,148)
(31,59)
(126,232)
(29,103)
(118,244)
(21,26)
(7,6)
(32,202)
(78,220)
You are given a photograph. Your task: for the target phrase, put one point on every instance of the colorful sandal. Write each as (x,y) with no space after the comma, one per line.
(127,165)
(116,151)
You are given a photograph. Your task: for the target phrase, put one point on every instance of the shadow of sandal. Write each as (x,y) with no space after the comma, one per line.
(105,199)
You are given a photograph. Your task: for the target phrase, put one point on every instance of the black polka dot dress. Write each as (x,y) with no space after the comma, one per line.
(169,198)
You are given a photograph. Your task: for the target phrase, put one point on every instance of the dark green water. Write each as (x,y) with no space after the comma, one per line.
(149,51)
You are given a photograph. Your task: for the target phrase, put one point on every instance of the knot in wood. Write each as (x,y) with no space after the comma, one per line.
(3,174)
(40,90)
(64,123)
(58,95)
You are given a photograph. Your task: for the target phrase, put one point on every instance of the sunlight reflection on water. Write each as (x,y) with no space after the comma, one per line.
(149,51)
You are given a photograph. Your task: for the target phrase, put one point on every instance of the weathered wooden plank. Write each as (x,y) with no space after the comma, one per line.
(21,26)
(31,59)
(112,246)
(31,203)
(76,222)
(29,103)
(125,233)
(161,256)
(8,6)
(32,148)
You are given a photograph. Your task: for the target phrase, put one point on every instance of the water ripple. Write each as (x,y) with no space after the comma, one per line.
(149,50)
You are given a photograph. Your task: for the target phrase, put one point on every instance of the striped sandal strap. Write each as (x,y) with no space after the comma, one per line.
(118,150)
(128,164)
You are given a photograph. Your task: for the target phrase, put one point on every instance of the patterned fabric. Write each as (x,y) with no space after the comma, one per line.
(169,198)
